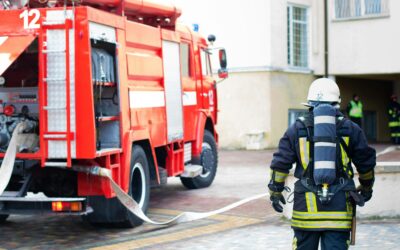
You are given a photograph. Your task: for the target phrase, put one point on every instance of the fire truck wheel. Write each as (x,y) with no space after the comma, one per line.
(110,212)
(3,218)
(209,161)
(140,183)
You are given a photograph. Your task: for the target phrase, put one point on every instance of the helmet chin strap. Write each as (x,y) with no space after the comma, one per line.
(313,104)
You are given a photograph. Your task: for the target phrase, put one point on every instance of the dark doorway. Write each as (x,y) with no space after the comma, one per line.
(369,125)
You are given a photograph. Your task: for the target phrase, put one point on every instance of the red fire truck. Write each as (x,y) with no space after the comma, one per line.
(117,84)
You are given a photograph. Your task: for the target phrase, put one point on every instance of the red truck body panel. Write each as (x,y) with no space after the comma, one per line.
(142,94)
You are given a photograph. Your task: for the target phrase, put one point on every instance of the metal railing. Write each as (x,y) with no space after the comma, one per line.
(361,8)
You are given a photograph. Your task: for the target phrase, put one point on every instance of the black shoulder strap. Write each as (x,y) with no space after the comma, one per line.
(342,143)
(307,121)
(308,124)
(340,120)
(339,125)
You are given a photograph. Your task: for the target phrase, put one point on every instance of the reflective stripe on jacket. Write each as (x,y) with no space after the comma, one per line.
(393,112)
(308,212)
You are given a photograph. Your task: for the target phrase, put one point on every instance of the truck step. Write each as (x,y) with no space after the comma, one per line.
(55,164)
(46,51)
(39,198)
(10,194)
(48,80)
(55,136)
(54,107)
(192,171)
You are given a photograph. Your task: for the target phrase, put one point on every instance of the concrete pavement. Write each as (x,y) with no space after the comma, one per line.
(252,226)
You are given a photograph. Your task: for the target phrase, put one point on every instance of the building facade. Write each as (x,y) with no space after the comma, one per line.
(277,48)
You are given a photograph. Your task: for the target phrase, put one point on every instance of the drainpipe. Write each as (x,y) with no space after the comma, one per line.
(326,50)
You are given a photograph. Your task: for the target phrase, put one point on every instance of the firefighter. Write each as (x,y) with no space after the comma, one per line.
(355,110)
(394,119)
(314,217)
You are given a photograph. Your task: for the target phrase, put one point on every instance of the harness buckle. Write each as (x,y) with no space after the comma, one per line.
(324,195)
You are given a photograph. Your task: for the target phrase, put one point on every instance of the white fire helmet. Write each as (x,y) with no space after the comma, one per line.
(323,90)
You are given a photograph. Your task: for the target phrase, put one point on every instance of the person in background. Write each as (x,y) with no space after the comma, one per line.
(394,119)
(355,110)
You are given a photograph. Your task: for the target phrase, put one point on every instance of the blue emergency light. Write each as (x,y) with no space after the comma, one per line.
(195,27)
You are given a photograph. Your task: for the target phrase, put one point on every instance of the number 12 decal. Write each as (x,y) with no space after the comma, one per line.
(33,24)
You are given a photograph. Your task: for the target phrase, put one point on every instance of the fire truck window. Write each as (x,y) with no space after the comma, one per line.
(185,60)
(205,63)
(24,71)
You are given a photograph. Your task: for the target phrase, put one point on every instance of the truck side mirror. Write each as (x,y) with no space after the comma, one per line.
(223,72)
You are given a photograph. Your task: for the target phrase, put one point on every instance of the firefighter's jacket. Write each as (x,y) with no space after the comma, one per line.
(393,112)
(294,147)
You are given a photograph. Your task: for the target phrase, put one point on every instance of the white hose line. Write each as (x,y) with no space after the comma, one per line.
(388,163)
(7,165)
(388,150)
(132,205)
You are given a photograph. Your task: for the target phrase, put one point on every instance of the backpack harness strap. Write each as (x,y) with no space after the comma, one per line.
(306,183)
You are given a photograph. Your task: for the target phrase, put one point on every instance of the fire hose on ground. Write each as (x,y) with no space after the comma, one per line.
(8,165)
(132,205)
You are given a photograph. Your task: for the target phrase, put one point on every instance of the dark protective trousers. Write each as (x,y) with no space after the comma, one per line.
(395,134)
(330,240)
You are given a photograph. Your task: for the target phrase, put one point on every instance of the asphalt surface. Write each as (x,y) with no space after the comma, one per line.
(252,226)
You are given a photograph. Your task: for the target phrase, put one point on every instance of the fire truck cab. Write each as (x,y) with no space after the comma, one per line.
(115,84)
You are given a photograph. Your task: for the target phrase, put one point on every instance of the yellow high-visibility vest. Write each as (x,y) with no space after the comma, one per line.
(356,109)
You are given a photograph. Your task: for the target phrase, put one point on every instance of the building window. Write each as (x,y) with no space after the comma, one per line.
(205,63)
(185,60)
(296,113)
(360,8)
(297,18)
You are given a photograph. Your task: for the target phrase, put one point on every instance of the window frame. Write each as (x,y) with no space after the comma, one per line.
(293,114)
(354,10)
(189,60)
(206,62)
(290,36)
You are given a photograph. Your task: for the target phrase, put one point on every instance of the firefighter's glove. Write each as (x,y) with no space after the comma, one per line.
(276,199)
(367,180)
(365,191)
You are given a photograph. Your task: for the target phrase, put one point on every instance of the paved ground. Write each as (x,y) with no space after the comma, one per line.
(253,226)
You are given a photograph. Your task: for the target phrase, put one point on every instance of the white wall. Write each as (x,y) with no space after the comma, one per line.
(365,46)
(254,32)
(244,117)
(278,41)
(255,35)
(253,102)
(242,27)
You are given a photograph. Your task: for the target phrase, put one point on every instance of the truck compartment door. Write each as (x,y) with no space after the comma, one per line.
(173,90)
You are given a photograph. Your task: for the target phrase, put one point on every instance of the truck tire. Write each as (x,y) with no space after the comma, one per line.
(110,212)
(139,188)
(3,217)
(209,161)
